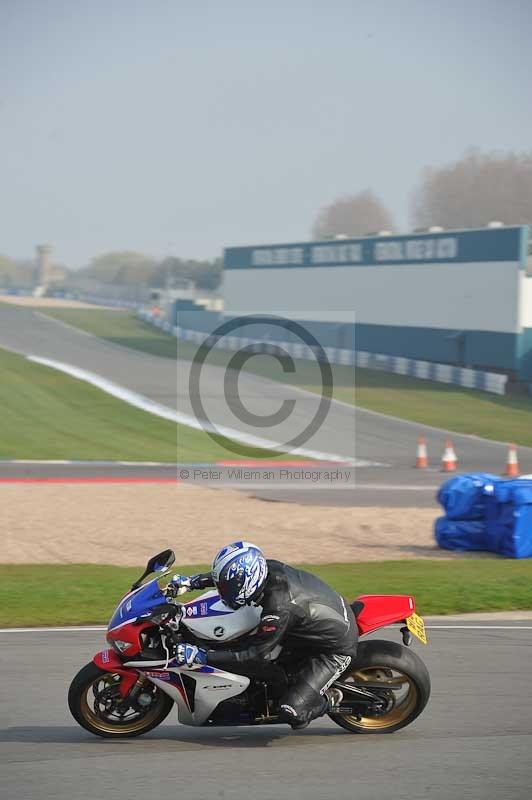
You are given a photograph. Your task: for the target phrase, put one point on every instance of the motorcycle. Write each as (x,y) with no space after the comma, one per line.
(130,688)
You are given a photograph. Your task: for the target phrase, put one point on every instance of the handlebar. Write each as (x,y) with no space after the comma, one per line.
(171,591)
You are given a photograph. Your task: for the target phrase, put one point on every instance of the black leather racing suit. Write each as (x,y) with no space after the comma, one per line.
(304,614)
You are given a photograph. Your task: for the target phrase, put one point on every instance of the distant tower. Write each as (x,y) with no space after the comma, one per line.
(44,266)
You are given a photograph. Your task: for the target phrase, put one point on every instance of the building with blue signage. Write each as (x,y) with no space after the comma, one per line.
(457,297)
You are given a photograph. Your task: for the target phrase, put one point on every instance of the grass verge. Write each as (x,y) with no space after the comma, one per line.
(118,327)
(507,419)
(49,415)
(81,594)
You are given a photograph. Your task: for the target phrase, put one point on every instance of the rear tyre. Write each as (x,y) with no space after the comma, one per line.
(95,703)
(404,682)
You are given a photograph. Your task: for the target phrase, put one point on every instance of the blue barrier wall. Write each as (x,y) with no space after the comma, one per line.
(485,349)
(525,355)
(201,320)
(292,344)
(476,349)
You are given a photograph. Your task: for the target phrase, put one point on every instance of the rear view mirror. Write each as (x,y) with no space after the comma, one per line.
(162,560)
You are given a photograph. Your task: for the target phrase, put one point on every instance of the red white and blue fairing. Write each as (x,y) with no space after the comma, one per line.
(207,617)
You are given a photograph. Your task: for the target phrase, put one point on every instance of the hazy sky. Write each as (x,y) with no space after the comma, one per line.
(176,127)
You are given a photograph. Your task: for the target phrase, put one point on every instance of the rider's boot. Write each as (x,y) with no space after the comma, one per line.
(331,697)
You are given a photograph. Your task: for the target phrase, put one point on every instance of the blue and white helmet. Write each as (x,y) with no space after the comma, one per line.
(239,572)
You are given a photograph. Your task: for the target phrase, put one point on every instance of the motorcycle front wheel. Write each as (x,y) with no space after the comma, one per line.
(397,676)
(95,703)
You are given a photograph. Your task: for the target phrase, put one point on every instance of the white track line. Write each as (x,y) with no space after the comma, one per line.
(83,629)
(145,404)
(480,627)
(73,629)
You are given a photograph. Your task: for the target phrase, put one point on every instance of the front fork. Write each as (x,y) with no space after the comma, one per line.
(109,661)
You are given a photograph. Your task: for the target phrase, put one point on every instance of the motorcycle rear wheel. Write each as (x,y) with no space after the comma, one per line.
(92,698)
(390,665)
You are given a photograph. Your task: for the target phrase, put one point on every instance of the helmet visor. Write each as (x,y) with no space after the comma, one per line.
(228,591)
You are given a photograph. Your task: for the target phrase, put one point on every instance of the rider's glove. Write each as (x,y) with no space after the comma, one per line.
(203,580)
(188,654)
(180,584)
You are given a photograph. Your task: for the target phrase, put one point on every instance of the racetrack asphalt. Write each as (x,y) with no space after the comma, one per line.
(385,444)
(473,740)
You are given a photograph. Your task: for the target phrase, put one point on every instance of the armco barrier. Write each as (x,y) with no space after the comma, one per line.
(426,370)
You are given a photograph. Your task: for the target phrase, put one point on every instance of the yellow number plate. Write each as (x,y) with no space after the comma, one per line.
(416,626)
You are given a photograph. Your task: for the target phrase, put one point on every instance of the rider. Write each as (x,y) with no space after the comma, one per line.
(298,610)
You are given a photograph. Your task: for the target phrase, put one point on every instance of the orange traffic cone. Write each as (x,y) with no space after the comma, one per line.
(448,461)
(421,458)
(512,464)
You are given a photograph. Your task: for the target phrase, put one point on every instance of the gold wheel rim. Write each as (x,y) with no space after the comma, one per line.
(402,692)
(88,711)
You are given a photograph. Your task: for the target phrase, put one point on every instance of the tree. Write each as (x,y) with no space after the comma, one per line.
(352,215)
(205,274)
(16,273)
(208,274)
(129,268)
(121,267)
(477,189)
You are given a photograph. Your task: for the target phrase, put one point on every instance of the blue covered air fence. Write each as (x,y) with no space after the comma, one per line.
(486,512)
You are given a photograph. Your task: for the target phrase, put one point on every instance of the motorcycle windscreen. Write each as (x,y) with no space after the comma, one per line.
(136,603)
